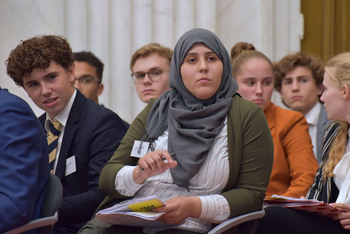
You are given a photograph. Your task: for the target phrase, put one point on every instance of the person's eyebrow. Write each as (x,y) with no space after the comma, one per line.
(86,76)
(29,82)
(50,74)
(195,53)
(151,69)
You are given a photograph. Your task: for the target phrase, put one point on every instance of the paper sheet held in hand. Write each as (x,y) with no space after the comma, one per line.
(134,212)
(313,206)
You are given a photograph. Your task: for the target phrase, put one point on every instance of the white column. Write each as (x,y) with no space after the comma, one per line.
(266,18)
(98,40)
(76,24)
(238,20)
(121,89)
(142,29)
(286,28)
(59,17)
(205,13)
(142,32)
(184,17)
(296,26)
(163,15)
(282,29)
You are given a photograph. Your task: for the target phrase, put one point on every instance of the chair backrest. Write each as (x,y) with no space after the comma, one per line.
(245,223)
(53,197)
(48,215)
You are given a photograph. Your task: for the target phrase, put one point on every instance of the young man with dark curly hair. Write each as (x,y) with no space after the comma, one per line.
(299,79)
(88,133)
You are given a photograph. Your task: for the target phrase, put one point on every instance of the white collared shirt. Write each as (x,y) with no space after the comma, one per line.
(61,117)
(209,181)
(342,176)
(312,119)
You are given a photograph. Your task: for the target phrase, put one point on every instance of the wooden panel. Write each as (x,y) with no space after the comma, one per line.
(342,26)
(346,14)
(326,27)
(328,30)
(313,27)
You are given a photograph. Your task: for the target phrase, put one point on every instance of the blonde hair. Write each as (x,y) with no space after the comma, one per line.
(150,49)
(338,69)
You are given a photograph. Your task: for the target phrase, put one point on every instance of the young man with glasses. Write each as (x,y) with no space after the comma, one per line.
(150,70)
(88,74)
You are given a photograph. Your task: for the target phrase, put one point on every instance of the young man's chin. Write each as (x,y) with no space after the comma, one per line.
(147,98)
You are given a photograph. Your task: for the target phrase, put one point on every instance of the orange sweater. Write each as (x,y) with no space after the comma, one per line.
(294,166)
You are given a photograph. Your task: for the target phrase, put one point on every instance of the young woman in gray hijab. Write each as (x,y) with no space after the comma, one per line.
(199,147)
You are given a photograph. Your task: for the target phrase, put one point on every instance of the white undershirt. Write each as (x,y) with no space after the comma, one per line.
(342,176)
(312,119)
(206,184)
(61,117)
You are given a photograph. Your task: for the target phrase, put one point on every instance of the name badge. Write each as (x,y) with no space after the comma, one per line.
(139,149)
(71,166)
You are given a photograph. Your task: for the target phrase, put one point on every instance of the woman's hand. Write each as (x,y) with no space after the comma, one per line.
(178,209)
(153,163)
(344,218)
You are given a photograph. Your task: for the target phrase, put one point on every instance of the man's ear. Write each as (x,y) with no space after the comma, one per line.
(280,92)
(100,89)
(320,89)
(71,74)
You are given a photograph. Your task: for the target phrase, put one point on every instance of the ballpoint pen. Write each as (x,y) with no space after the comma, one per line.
(163,158)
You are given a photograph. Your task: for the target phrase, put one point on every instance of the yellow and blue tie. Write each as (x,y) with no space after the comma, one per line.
(52,139)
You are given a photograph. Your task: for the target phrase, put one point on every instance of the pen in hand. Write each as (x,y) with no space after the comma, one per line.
(163,158)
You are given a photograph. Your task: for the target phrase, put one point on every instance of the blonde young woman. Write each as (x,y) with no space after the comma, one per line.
(332,180)
(294,165)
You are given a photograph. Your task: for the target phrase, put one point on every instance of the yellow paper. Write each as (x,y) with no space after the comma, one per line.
(145,206)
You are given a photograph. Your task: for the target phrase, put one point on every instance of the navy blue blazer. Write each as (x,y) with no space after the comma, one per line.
(24,168)
(92,134)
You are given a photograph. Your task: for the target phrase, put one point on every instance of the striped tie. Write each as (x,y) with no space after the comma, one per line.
(52,139)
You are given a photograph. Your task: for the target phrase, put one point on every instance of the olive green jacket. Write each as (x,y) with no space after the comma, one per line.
(250,150)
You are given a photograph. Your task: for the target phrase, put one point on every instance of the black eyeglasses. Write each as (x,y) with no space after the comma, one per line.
(154,75)
(87,79)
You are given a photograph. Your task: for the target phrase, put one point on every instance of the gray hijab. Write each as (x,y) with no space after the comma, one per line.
(192,123)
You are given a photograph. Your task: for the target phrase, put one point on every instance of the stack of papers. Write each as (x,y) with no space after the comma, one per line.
(313,206)
(134,212)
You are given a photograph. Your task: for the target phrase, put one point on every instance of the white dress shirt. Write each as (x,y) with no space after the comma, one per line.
(312,119)
(342,176)
(206,184)
(61,117)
